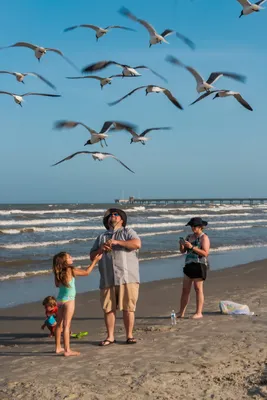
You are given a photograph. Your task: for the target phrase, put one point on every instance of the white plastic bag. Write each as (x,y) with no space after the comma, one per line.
(230,308)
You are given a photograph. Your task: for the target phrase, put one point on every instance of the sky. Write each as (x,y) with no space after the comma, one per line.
(215,148)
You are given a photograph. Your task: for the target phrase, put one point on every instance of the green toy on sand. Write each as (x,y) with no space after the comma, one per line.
(78,335)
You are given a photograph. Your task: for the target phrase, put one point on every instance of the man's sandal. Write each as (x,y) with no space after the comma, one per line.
(131,340)
(106,342)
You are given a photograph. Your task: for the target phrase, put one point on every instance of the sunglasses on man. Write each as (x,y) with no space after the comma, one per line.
(114,215)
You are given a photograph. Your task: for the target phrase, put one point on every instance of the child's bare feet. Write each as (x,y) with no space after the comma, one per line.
(60,350)
(179,315)
(71,353)
(197,316)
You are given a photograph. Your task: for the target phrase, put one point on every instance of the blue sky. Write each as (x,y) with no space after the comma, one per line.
(216,148)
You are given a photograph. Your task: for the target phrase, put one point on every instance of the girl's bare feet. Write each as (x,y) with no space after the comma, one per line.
(197,316)
(71,353)
(60,350)
(179,315)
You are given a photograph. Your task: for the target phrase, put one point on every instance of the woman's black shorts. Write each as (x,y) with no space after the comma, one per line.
(196,271)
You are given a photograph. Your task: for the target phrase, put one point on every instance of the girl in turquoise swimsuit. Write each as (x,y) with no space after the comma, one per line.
(65,274)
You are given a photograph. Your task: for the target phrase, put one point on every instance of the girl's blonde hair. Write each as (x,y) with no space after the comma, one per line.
(60,268)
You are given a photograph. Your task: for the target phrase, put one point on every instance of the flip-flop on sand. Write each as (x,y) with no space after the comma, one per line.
(106,342)
(79,335)
(131,340)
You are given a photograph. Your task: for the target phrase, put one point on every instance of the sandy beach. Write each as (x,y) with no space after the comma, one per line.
(218,357)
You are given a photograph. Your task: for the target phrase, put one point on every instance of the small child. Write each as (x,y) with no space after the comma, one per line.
(65,274)
(51,310)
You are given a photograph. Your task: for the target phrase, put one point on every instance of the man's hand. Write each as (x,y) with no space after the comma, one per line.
(107,246)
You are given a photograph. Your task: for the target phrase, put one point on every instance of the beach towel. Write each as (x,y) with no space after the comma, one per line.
(230,308)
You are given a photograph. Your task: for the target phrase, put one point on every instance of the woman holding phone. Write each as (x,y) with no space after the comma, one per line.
(196,246)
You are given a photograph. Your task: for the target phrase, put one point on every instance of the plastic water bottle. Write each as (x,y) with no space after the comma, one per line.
(173,318)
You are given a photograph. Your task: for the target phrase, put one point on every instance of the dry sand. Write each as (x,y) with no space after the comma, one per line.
(218,357)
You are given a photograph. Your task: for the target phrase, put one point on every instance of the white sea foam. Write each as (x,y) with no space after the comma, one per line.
(43,221)
(66,211)
(160,233)
(21,275)
(43,244)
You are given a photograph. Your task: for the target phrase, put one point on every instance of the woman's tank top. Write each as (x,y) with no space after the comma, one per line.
(67,293)
(191,256)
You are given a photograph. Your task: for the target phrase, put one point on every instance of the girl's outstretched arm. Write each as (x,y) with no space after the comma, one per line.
(89,269)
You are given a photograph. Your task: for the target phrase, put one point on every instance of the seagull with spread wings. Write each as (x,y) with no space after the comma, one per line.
(249,8)
(96,136)
(142,138)
(151,89)
(99,32)
(96,156)
(18,98)
(155,37)
(103,81)
(226,93)
(20,77)
(203,85)
(126,69)
(39,51)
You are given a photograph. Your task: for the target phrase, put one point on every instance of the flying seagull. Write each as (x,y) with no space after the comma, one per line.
(203,85)
(154,36)
(226,93)
(249,8)
(19,97)
(20,77)
(142,137)
(96,136)
(151,89)
(39,51)
(103,81)
(126,69)
(96,156)
(99,32)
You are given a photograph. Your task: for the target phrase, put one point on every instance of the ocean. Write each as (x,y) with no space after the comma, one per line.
(30,235)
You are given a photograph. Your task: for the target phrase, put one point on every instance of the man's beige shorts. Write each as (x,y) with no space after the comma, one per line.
(122,297)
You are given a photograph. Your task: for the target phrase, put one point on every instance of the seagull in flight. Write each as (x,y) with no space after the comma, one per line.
(226,93)
(99,32)
(151,89)
(203,85)
(96,156)
(249,8)
(103,81)
(19,97)
(154,36)
(20,77)
(39,51)
(142,137)
(126,69)
(96,136)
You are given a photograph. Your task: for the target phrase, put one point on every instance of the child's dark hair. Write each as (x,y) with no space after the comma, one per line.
(60,268)
(50,301)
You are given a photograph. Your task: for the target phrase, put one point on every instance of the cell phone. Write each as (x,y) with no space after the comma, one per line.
(182,240)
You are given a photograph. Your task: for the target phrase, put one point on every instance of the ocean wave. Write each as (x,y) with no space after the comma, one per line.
(160,233)
(170,254)
(21,275)
(43,221)
(43,244)
(55,211)
(65,211)
(187,216)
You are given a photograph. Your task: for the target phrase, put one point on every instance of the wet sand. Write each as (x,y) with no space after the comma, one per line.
(217,357)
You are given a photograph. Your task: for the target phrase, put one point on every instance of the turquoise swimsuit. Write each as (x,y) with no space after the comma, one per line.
(67,293)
